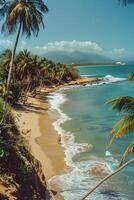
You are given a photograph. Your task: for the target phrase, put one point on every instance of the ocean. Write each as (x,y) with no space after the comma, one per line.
(84,123)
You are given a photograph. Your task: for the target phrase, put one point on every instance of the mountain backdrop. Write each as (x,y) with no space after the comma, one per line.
(78,58)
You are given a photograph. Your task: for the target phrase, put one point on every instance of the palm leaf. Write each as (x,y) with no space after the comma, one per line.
(39,4)
(125,104)
(29,13)
(129,150)
(126,2)
(125,125)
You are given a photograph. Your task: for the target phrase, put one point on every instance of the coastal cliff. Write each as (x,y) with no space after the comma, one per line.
(21,174)
(30,152)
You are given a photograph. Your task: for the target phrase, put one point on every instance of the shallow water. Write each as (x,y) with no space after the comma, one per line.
(86,119)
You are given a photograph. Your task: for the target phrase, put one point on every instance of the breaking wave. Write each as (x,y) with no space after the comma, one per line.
(81,174)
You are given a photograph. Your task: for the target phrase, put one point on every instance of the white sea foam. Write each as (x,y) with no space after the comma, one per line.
(113,79)
(75,182)
(107,80)
(67,138)
(87,75)
(108,153)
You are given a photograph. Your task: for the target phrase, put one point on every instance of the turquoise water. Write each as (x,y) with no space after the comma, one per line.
(88,120)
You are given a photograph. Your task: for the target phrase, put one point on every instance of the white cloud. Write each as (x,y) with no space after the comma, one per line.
(118,52)
(5,44)
(83,46)
(66,46)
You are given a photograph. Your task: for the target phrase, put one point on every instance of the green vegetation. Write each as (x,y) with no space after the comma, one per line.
(131,77)
(123,104)
(31,72)
(17,168)
(24,15)
(126,2)
(124,126)
(22,74)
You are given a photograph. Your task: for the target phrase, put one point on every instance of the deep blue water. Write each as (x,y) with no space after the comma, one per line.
(118,71)
(91,122)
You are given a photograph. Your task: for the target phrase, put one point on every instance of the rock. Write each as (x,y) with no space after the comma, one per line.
(97,170)
(88,147)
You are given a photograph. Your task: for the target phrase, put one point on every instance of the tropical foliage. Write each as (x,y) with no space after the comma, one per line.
(126,2)
(16,163)
(131,77)
(23,16)
(31,72)
(123,104)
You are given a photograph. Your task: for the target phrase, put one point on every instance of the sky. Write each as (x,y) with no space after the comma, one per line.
(97,26)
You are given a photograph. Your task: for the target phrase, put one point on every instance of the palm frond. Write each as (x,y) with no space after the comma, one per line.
(129,150)
(27,12)
(125,104)
(126,2)
(39,4)
(125,125)
(4,5)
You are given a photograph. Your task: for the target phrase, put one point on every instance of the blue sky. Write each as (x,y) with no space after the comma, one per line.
(101,26)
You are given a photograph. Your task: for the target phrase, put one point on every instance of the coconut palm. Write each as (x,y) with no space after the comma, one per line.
(125,125)
(31,73)
(5,59)
(23,61)
(126,2)
(64,73)
(25,17)
(4,67)
(3,8)
(28,69)
(24,65)
(51,70)
(107,177)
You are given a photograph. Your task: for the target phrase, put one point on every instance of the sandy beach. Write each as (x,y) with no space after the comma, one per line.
(35,121)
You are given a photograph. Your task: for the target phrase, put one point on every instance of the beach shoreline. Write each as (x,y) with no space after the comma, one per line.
(36,124)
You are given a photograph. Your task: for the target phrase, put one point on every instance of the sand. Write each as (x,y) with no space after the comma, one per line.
(35,123)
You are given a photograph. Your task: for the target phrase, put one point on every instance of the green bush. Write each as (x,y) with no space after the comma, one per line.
(31,72)
(131,77)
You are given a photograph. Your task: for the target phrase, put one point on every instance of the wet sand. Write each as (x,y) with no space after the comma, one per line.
(36,124)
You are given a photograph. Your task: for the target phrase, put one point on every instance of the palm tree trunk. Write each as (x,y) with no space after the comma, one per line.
(12,60)
(107,177)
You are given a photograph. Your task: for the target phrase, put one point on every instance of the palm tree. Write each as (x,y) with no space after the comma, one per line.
(26,16)
(5,58)
(28,69)
(3,8)
(126,2)
(23,64)
(126,124)
(4,67)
